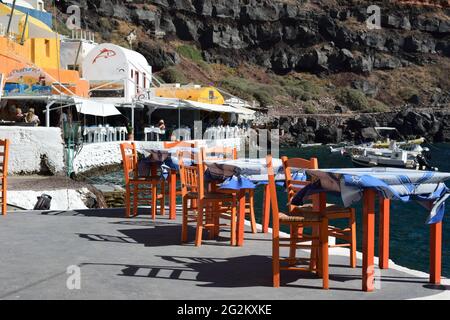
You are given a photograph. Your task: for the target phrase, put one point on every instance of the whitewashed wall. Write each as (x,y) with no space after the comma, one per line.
(97,155)
(28,145)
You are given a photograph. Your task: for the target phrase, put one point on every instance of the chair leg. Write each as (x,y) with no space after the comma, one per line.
(276,259)
(163,199)
(293,244)
(135,200)
(209,219)
(353,239)
(127,201)
(199,233)
(252,211)
(154,200)
(216,229)
(184,226)
(314,251)
(324,253)
(4,200)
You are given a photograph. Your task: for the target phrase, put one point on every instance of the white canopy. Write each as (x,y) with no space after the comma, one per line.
(96,108)
(173,103)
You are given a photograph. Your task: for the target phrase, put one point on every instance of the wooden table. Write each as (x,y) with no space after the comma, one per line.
(251,172)
(384,191)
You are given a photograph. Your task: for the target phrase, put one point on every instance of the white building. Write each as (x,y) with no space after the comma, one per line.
(116,73)
(74,50)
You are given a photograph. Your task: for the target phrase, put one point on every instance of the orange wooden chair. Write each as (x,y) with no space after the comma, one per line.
(333,212)
(4,153)
(140,187)
(307,217)
(178,144)
(208,205)
(223,153)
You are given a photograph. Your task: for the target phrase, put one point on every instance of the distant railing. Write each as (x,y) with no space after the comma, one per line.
(225,132)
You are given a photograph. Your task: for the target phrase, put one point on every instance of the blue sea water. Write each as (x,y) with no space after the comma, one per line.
(409,243)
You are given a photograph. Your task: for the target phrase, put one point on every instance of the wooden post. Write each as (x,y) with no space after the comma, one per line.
(435,252)
(384,233)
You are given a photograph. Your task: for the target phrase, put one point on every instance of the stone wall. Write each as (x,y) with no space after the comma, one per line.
(34,150)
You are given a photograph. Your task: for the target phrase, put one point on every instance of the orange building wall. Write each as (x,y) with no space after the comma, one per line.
(15,56)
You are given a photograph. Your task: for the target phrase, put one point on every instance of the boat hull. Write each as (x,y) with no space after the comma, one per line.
(365,163)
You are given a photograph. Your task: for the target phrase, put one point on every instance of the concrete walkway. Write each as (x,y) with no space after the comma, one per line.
(141,259)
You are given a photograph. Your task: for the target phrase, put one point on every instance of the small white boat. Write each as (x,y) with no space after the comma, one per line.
(397,159)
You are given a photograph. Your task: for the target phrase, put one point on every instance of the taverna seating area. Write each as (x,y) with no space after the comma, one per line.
(184,231)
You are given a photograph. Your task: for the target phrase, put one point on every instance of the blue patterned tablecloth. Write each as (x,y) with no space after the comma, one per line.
(247,173)
(424,187)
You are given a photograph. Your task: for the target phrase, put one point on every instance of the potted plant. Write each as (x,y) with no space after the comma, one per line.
(130,131)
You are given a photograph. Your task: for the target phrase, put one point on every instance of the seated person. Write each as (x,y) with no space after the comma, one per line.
(162,130)
(19,117)
(32,118)
(162,125)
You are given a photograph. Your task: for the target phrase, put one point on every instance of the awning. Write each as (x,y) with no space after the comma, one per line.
(163,103)
(221,108)
(173,103)
(35,27)
(95,108)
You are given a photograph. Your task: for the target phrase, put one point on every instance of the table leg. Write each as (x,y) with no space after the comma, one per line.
(384,233)
(368,240)
(173,195)
(241,218)
(435,252)
(266,210)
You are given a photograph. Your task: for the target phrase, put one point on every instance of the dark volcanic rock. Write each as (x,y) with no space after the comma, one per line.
(432,125)
(157,57)
(293,35)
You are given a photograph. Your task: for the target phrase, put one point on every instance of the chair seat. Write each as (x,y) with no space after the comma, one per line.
(330,209)
(304,217)
(211,196)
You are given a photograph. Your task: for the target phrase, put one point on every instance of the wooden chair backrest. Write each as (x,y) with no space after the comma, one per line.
(130,160)
(4,156)
(191,175)
(219,153)
(273,195)
(293,186)
(179,144)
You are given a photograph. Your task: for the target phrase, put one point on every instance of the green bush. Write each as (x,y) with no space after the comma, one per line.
(249,90)
(354,99)
(309,108)
(377,106)
(300,89)
(190,52)
(264,97)
(172,75)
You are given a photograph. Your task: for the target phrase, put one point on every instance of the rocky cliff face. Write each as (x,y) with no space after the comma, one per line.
(407,61)
(290,35)
(432,125)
